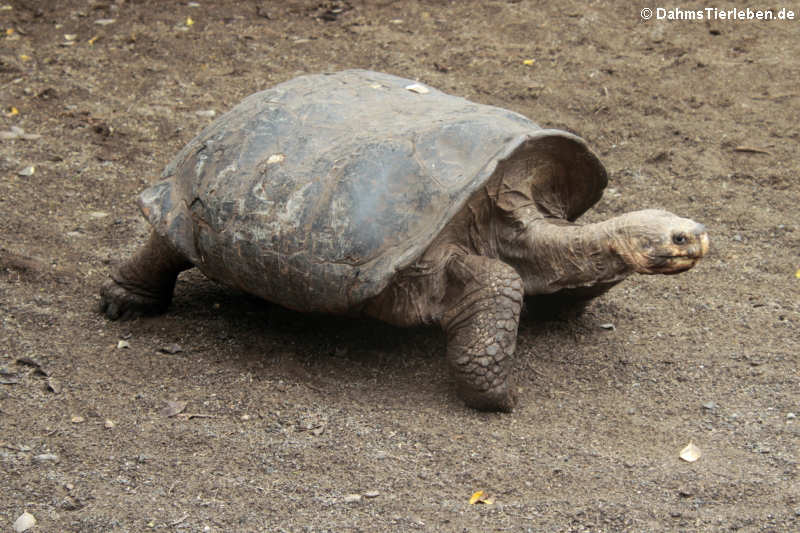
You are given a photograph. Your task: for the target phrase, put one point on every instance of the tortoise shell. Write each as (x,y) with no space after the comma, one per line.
(313,194)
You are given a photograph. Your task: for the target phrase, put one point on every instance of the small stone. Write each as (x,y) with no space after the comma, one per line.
(46,458)
(27,171)
(98,214)
(171,349)
(244,418)
(109,424)
(737,238)
(352,498)
(791,416)
(372,494)
(104,22)
(209,113)
(77,419)
(609,326)
(123,344)
(690,453)
(710,406)
(24,522)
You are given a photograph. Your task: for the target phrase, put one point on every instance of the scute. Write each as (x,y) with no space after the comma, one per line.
(314,193)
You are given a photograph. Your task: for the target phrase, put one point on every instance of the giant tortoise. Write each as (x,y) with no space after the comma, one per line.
(366,194)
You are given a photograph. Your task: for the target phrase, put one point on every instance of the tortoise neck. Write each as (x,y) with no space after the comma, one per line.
(552,254)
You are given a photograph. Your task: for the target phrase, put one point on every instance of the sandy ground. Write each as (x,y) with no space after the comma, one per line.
(309,423)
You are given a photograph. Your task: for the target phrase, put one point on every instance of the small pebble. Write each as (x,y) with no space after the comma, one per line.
(123,344)
(372,494)
(245,417)
(710,406)
(24,522)
(109,424)
(609,326)
(77,419)
(737,238)
(27,171)
(352,498)
(791,416)
(172,349)
(210,113)
(46,458)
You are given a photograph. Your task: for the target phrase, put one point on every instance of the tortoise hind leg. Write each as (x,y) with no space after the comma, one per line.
(143,285)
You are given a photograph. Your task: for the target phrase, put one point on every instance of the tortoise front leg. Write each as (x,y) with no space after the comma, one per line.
(481,325)
(143,285)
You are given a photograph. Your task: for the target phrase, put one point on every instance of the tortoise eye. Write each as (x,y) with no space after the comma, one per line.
(679,238)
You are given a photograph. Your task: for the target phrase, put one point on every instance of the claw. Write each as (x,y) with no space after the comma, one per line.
(120,303)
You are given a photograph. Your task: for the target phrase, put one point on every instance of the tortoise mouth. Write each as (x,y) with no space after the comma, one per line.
(673,264)
(675,261)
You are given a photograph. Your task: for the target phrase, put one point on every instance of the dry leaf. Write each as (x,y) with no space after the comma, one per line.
(690,453)
(528,62)
(173,408)
(53,385)
(18,133)
(418,88)
(481,497)
(189,416)
(751,150)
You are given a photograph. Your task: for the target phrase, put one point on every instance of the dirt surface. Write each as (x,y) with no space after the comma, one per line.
(310,423)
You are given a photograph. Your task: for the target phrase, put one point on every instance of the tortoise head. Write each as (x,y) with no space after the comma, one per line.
(658,242)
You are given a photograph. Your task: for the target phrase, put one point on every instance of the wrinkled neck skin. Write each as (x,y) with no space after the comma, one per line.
(553,254)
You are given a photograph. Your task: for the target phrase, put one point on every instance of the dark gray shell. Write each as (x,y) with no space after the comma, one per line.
(314,193)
